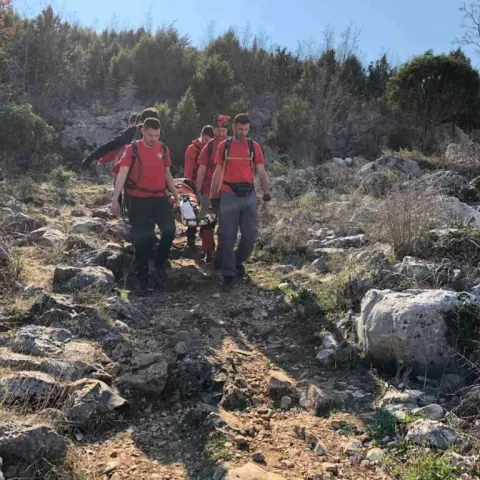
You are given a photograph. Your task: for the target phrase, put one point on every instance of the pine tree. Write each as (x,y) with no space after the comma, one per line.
(186,125)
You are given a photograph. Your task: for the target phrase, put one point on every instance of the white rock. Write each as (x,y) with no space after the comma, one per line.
(374,454)
(408,327)
(432,412)
(430,432)
(325,356)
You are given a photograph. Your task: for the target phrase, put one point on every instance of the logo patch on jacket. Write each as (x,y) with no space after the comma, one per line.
(160,156)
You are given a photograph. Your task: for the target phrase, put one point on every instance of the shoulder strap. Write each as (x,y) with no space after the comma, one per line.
(210,148)
(251,149)
(228,143)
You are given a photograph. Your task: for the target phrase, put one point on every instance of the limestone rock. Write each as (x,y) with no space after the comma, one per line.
(89,398)
(279,384)
(408,327)
(72,279)
(430,432)
(30,443)
(40,341)
(23,223)
(149,380)
(87,225)
(431,412)
(47,237)
(30,387)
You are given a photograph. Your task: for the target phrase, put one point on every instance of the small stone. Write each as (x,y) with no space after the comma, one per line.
(325,356)
(352,446)
(330,467)
(285,403)
(258,457)
(181,348)
(320,264)
(279,384)
(320,449)
(374,454)
(241,441)
(431,412)
(111,467)
(329,342)
(287,464)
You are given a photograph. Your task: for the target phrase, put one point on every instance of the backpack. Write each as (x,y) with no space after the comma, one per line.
(251,149)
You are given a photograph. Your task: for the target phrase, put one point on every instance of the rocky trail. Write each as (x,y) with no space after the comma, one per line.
(188,382)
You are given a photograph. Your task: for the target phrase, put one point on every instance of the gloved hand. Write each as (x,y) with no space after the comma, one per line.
(215,203)
(87,161)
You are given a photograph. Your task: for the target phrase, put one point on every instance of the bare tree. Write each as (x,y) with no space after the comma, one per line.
(471,26)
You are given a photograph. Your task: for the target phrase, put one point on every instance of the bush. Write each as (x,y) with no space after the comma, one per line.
(62,177)
(25,137)
(404,220)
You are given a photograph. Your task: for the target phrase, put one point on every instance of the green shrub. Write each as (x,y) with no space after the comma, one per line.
(384,424)
(62,177)
(25,137)
(430,468)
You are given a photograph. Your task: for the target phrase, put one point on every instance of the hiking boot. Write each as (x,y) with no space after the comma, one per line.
(241,272)
(209,257)
(141,288)
(228,283)
(217,264)
(161,271)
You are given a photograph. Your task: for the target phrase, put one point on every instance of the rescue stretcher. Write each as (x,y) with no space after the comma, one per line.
(193,211)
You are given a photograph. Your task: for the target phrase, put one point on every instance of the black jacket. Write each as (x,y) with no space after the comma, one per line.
(125,138)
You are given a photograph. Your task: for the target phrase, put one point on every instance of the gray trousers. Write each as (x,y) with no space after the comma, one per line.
(237,212)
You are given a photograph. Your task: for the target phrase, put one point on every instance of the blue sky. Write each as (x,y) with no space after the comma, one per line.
(399,28)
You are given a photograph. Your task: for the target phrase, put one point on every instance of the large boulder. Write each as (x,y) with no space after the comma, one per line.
(445,134)
(30,443)
(409,327)
(40,341)
(89,399)
(452,211)
(432,433)
(35,387)
(463,157)
(70,279)
(379,176)
(447,183)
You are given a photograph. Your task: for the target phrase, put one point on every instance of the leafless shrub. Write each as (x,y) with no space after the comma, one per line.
(404,219)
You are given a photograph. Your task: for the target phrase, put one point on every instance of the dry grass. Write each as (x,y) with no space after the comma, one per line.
(403,220)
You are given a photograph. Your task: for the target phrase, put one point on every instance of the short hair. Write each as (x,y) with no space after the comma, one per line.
(149,113)
(208,130)
(133,118)
(242,119)
(153,123)
(139,118)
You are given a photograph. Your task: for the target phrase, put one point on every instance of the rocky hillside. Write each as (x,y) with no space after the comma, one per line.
(350,351)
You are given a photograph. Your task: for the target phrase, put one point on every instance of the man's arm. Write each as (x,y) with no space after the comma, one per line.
(171,185)
(262,176)
(217,178)
(121,140)
(202,170)
(119,184)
